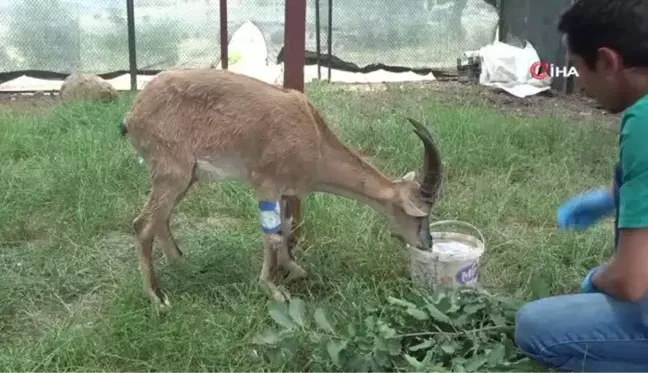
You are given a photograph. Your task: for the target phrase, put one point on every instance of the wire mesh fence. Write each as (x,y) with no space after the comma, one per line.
(411,33)
(91,36)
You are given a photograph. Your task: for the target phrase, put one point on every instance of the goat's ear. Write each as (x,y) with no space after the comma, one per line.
(411,209)
(409,176)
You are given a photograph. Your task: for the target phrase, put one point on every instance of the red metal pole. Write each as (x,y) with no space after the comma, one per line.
(223,35)
(294,44)
(294,56)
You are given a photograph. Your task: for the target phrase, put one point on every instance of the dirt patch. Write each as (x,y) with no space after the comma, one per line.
(217,222)
(573,107)
(80,314)
(118,239)
(26,103)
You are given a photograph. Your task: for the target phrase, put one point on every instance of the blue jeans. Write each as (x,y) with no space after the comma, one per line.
(584,332)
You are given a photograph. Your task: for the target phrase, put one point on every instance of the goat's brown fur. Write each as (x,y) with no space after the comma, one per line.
(207,124)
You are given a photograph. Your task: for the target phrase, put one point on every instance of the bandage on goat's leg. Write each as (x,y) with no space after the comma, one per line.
(273,242)
(270,215)
(273,222)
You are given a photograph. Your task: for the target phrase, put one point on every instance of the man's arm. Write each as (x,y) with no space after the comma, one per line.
(626,275)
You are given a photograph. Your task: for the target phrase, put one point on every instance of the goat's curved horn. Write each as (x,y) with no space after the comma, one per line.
(432,166)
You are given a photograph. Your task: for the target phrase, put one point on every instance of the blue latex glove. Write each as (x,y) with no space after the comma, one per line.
(586,285)
(580,212)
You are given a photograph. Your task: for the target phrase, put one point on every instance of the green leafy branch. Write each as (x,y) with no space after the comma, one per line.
(459,331)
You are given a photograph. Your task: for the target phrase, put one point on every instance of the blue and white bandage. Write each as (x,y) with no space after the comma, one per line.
(270,214)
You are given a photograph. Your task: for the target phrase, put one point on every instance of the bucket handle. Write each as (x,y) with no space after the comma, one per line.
(459,222)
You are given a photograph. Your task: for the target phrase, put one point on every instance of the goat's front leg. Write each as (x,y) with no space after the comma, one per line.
(269,272)
(276,252)
(273,243)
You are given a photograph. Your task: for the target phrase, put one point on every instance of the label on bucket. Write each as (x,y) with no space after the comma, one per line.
(467,274)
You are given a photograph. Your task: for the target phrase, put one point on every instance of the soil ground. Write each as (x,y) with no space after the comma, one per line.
(575,107)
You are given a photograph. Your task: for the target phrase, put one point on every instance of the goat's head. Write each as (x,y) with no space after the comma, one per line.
(413,201)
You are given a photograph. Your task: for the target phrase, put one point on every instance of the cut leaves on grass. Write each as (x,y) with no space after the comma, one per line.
(404,335)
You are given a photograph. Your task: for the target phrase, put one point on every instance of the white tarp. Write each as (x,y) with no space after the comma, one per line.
(509,68)
(248,54)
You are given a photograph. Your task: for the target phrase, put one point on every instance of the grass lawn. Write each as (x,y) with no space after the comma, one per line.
(71,296)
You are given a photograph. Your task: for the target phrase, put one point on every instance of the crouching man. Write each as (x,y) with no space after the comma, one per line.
(605,327)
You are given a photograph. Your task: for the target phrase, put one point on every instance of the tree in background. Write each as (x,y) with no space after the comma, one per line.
(45,34)
(157,42)
(6,64)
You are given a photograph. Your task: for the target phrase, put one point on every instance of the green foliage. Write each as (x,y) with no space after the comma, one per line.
(156,42)
(460,331)
(5,60)
(45,34)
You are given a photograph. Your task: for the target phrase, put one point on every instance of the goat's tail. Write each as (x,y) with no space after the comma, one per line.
(122,128)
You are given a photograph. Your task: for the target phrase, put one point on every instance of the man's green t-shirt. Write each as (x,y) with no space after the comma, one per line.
(633,193)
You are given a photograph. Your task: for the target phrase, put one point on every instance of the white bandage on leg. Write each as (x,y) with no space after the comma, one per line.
(270,214)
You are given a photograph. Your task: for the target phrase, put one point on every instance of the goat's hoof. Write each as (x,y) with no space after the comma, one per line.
(295,272)
(174,257)
(160,299)
(274,292)
(280,295)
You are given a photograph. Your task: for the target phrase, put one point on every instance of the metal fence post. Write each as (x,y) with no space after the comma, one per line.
(318,40)
(295,44)
(132,50)
(223,35)
(294,56)
(500,11)
(329,37)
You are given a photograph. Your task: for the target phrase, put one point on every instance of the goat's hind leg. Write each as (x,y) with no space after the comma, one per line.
(285,256)
(167,241)
(168,185)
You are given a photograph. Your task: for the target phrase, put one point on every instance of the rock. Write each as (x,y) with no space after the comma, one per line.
(87,87)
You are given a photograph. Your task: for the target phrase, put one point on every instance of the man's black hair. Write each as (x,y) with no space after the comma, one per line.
(621,25)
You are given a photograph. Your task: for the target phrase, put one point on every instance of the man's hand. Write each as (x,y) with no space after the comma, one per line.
(586,284)
(626,275)
(580,212)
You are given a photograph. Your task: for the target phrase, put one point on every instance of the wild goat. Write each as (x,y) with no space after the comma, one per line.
(215,125)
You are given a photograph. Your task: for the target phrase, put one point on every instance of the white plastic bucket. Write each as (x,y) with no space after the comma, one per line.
(453,260)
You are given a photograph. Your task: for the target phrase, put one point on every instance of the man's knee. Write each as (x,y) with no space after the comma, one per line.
(549,330)
(591,332)
(527,326)
(540,325)
(535,333)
